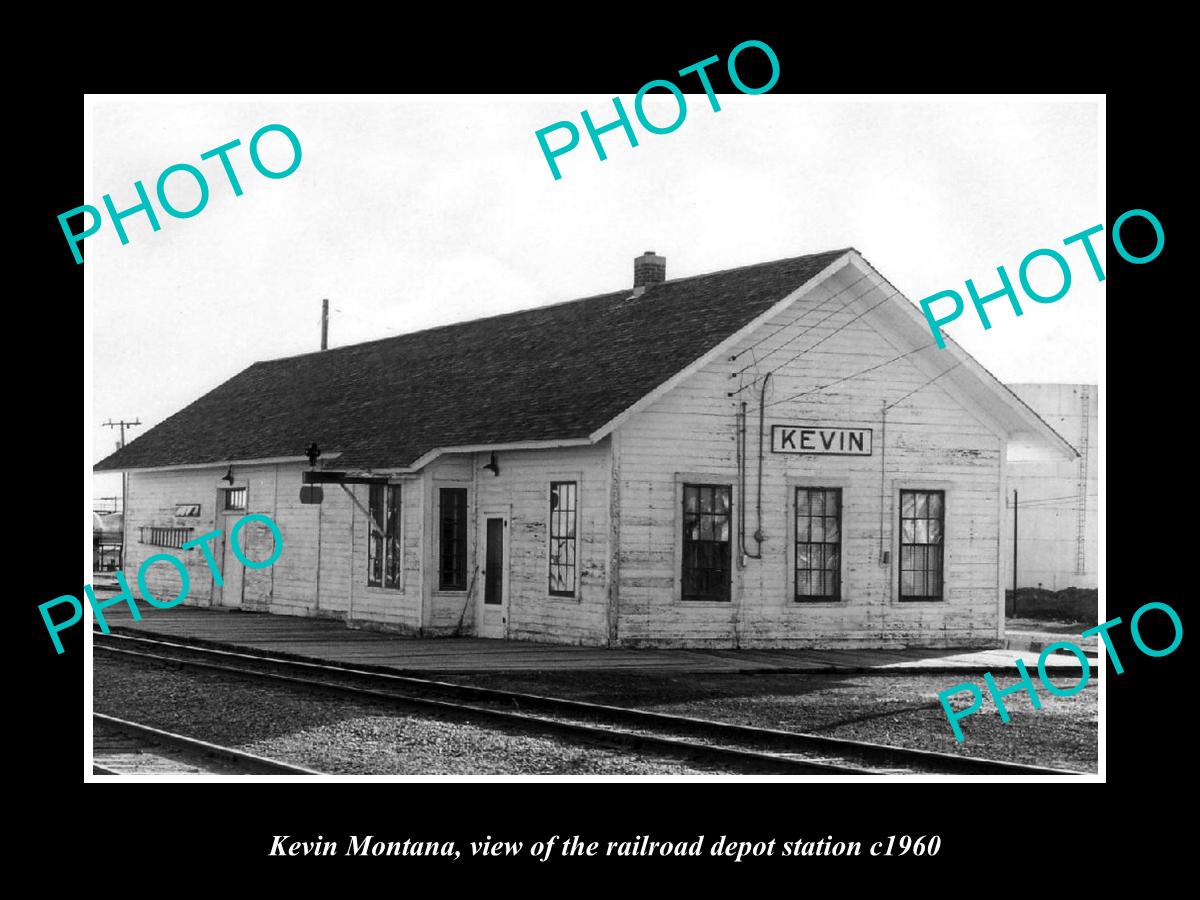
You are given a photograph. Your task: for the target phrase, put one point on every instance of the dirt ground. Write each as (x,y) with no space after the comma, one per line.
(899,710)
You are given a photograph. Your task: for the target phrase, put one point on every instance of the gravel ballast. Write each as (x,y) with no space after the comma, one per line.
(902,710)
(340,736)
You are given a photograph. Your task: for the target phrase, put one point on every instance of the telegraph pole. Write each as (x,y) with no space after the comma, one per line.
(324,324)
(122,425)
(124,519)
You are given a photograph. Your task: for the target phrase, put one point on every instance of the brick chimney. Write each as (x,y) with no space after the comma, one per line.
(648,269)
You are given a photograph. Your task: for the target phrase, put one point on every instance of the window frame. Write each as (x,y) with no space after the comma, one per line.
(898,542)
(372,537)
(682,483)
(230,491)
(577,483)
(464,528)
(393,505)
(794,486)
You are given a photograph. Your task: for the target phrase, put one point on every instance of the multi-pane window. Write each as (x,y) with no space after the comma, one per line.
(452,549)
(235,499)
(818,543)
(383,543)
(922,541)
(562,537)
(706,541)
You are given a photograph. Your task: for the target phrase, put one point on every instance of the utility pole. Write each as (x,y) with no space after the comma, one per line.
(122,425)
(124,492)
(324,324)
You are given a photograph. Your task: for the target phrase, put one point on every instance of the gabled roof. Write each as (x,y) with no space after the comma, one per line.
(555,374)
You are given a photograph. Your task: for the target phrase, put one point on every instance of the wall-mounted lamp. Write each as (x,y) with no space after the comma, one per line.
(493,466)
(229,475)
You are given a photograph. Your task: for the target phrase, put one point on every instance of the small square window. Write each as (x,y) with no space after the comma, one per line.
(235,499)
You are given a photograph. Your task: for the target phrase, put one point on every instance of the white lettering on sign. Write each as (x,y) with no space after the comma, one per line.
(818,439)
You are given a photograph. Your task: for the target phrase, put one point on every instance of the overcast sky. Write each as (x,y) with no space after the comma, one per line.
(413,213)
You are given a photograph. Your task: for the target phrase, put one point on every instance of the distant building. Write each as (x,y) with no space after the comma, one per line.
(1057,499)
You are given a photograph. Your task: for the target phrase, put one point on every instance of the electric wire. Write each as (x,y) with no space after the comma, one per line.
(787,324)
(811,347)
(925,385)
(849,377)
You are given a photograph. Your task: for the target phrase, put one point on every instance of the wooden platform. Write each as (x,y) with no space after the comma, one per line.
(332,641)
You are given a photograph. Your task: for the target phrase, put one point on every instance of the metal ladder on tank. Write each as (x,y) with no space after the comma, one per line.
(1081,512)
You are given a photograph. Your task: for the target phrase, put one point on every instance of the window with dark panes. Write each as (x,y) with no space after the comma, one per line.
(562,537)
(818,543)
(922,542)
(452,551)
(707,543)
(375,535)
(235,498)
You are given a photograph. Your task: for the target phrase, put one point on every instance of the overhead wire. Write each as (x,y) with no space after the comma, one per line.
(791,322)
(941,374)
(849,377)
(811,347)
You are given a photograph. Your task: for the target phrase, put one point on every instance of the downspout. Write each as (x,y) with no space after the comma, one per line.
(882,476)
(758,533)
(740,445)
(762,412)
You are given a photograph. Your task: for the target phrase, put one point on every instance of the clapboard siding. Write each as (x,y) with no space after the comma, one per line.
(932,441)
(151,498)
(523,487)
(322,570)
(395,609)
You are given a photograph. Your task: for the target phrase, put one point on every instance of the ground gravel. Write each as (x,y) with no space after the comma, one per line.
(336,735)
(899,710)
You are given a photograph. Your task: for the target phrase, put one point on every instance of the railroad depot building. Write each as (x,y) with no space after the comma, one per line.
(771,456)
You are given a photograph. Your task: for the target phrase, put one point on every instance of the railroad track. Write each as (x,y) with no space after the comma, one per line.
(121,747)
(740,747)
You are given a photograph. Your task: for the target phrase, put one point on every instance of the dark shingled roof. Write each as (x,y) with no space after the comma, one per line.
(555,372)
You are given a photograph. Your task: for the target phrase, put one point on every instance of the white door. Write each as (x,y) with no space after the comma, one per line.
(231,567)
(492,620)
